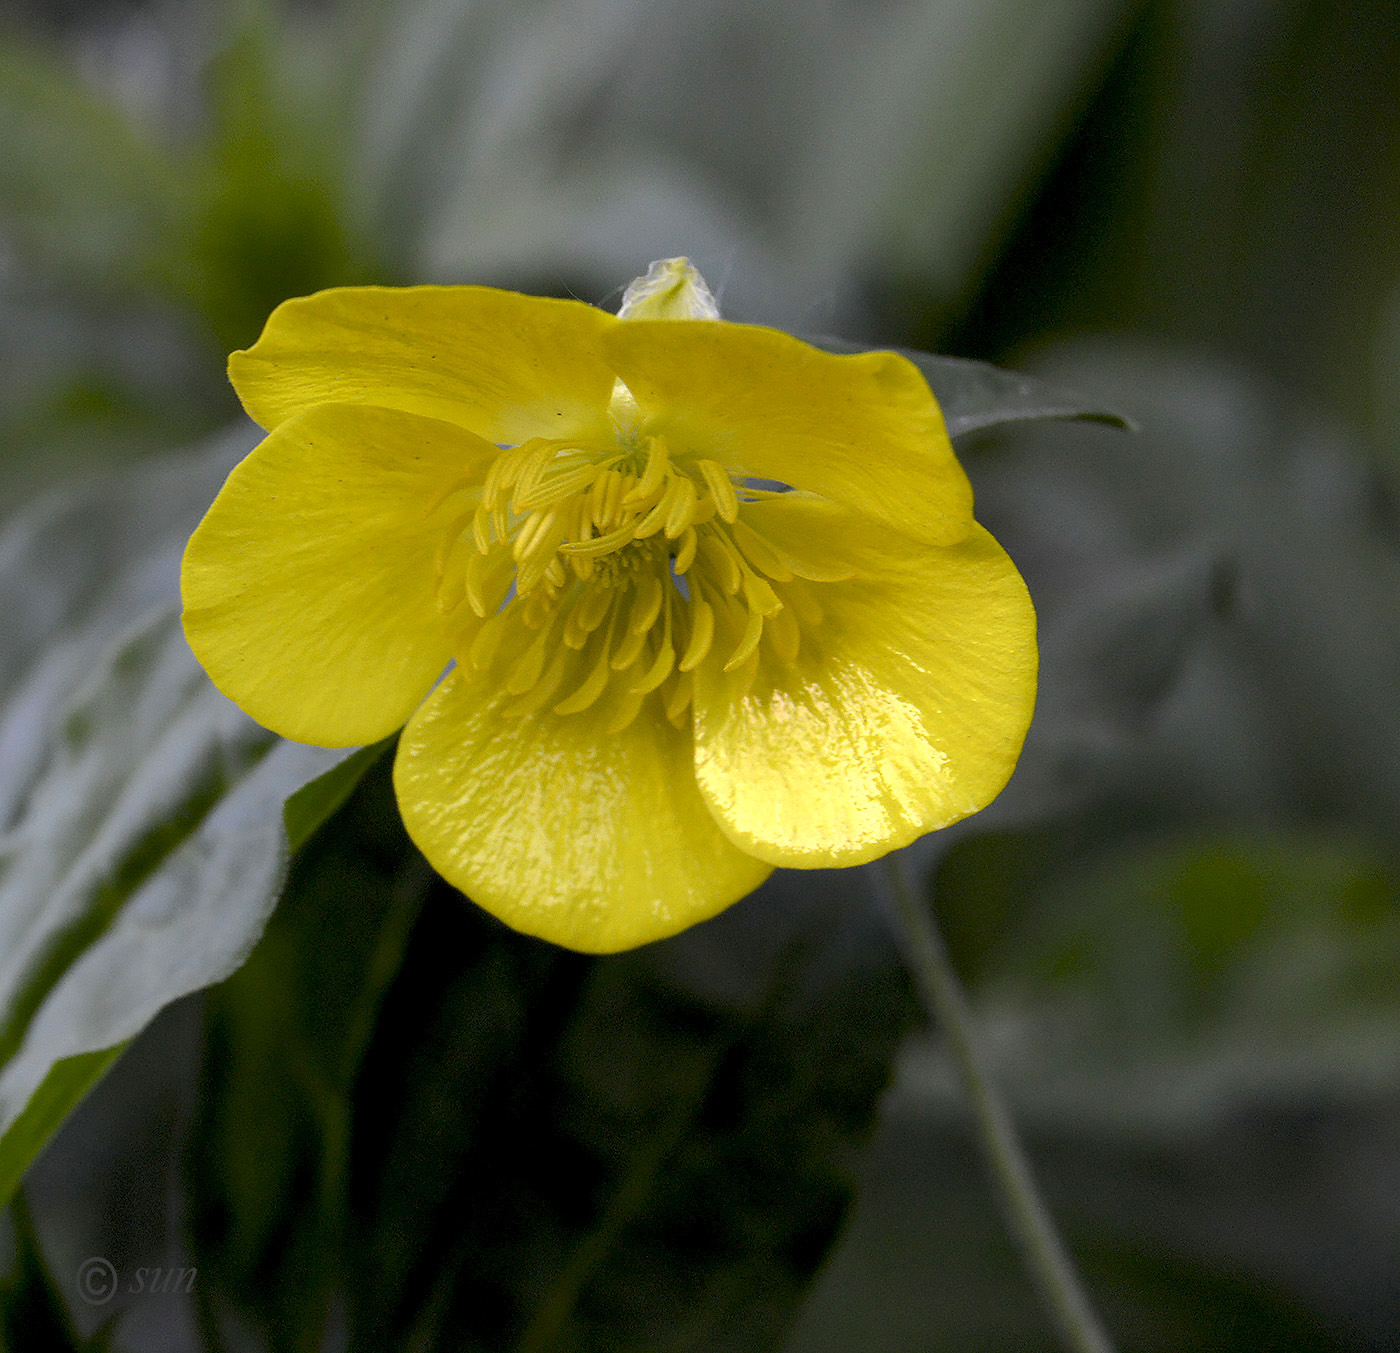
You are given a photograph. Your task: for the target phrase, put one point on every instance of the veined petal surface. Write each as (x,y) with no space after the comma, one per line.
(862,430)
(507,367)
(309,585)
(598,841)
(903,711)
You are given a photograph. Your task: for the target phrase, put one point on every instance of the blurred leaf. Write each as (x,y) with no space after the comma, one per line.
(545,1149)
(270,216)
(933,128)
(1168,980)
(313,803)
(61,1091)
(285,1039)
(976,395)
(147,857)
(1180,1301)
(143,839)
(33,1316)
(84,193)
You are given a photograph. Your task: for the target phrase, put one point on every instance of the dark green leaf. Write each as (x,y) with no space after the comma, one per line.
(317,800)
(977,395)
(144,843)
(59,1094)
(285,1040)
(148,854)
(547,1150)
(33,1315)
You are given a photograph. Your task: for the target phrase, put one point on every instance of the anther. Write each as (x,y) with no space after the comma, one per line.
(646,605)
(784,634)
(593,686)
(658,671)
(721,556)
(528,667)
(542,691)
(685,554)
(658,458)
(682,507)
(760,553)
(702,633)
(759,594)
(628,650)
(721,488)
(753,632)
(679,697)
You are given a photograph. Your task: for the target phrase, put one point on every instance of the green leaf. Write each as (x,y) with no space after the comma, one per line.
(62,1091)
(33,1314)
(144,842)
(318,800)
(82,190)
(148,855)
(550,1150)
(977,395)
(285,1041)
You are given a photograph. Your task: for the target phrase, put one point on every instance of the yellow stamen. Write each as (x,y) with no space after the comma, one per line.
(720,555)
(532,470)
(593,686)
(487,643)
(484,598)
(785,634)
(536,527)
(656,518)
(759,594)
(629,705)
(543,690)
(528,666)
(682,511)
(659,670)
(702,633)
(627,651)
(760,553)
(679,698)
(646,605)
(481,528)
(588,613)
(721,489)
(685,555)
(607,544)
(748,642)
(658,460)
(550,489)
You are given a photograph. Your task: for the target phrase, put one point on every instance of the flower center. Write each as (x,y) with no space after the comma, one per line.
(608,574)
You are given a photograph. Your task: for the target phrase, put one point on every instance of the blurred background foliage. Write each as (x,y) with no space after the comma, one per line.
(400,1126)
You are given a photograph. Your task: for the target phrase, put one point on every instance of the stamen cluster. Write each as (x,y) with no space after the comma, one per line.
(613,572)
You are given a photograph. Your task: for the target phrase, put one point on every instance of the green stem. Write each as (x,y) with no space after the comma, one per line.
(1048,1262)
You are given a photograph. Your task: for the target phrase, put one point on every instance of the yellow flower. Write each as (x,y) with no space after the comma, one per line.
(715,599)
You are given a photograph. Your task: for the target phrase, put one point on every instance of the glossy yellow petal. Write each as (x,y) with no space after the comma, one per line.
(904,710)
(506,366)
(861,430)
(309,585)
(597,841)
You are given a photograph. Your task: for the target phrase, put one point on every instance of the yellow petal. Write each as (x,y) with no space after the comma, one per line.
(862,430)
(309,585)
(904,710)
(506,366)
(595,841)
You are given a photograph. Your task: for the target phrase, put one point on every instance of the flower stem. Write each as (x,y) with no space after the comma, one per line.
(1048,1262)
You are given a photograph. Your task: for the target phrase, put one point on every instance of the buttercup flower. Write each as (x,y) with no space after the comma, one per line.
(712,600)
